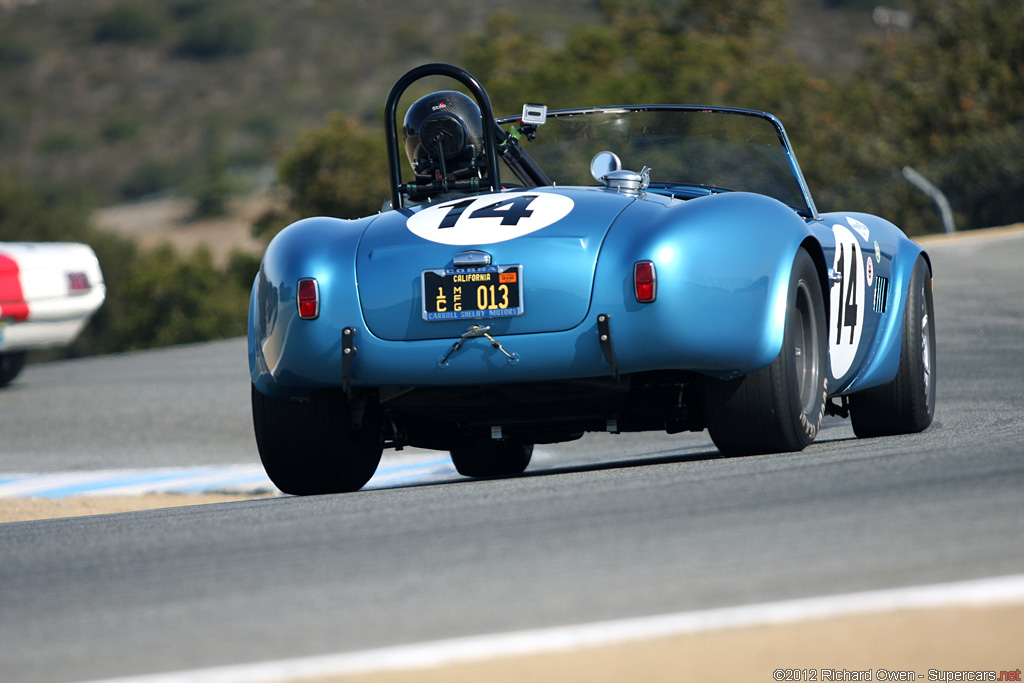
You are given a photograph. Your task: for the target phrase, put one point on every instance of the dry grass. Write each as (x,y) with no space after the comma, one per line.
(27,509)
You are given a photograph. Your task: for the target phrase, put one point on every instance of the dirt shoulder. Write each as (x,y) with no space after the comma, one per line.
(926,645)
(26,509)
(170,221)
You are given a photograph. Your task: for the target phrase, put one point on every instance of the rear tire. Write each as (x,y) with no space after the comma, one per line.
(310,447)
(11,365)
(780,407)
(907,404)
(492,458)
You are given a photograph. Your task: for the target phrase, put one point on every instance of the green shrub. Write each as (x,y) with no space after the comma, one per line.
(120,127)
(10,130)
(152,177)
(27,214)
(61,142)
(340,170)
(212,192)
(130,22)
(186,9)
(14,53)
(221,32)
(169,299)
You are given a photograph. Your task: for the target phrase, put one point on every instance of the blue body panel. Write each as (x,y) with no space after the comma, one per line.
(723,264)
(893,257)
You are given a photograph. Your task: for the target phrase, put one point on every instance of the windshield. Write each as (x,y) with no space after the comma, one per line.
(690,151)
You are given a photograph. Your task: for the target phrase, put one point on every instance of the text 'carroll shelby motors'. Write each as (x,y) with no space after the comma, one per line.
(48,292)
(628,268)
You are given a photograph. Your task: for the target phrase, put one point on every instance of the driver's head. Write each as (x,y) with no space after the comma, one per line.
(444,126)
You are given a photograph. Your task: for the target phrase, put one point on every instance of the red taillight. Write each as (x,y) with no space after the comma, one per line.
(645,282)
(78,283)
(308,298)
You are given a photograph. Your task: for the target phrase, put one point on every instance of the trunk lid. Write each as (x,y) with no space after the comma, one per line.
(553,235)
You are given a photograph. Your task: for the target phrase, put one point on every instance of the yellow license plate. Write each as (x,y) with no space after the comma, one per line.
(472,293)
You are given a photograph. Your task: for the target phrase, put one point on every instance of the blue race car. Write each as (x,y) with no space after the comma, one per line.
(617,269)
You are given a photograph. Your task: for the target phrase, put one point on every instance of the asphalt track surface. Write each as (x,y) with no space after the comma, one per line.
(610,527)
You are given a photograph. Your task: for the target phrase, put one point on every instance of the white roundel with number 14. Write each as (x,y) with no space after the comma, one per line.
(846,302)
(489,218)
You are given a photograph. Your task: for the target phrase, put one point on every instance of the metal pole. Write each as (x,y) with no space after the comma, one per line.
(921,183)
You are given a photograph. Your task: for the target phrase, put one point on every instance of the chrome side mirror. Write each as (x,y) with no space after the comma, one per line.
(604,163)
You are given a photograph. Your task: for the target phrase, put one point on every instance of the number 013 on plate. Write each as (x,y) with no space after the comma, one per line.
(472,293)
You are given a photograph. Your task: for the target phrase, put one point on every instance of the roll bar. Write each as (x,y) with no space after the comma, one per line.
(391,125)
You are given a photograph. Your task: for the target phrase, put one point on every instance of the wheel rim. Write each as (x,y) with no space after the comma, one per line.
(805,348)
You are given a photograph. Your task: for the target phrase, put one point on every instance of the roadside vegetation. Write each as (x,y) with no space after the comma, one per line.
(120,100)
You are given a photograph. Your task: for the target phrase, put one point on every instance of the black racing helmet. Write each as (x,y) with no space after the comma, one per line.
(443,127)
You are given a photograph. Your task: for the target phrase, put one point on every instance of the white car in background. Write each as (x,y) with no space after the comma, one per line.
(48,292)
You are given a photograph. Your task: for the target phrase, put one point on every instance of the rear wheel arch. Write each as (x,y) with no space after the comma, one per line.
(817,254)
(778,407)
